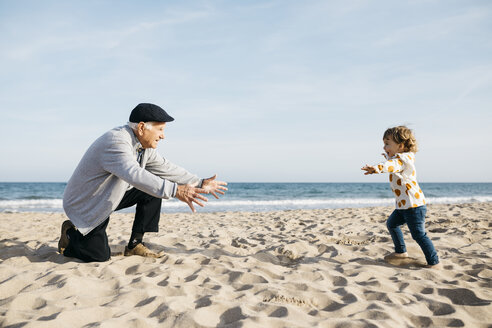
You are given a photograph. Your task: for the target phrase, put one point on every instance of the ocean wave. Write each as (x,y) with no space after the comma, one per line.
(459,200)
(286,202)
(335,201)
(249,205)
(31,203)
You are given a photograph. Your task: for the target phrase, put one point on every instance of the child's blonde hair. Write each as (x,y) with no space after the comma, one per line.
(402,135)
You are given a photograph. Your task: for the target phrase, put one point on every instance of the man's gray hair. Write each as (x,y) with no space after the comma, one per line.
(134,126)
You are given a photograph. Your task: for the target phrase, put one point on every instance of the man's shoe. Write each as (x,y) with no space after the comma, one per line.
(63,242)
(142,250)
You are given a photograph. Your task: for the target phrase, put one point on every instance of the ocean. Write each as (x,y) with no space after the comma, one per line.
(47,197)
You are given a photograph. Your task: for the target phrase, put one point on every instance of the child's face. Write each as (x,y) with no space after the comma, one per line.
(391,147)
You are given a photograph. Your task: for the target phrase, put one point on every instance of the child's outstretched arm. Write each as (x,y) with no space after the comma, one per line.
(391,166)
(369,169)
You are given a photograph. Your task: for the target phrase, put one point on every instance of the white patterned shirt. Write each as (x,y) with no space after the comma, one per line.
(403,180)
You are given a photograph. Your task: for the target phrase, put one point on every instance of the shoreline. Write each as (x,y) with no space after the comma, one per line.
(290,268)
(198,208)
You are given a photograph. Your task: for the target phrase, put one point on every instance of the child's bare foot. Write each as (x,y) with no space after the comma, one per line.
(394,256)
(434,266)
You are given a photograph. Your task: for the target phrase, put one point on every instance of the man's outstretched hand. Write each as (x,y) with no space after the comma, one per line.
(213,186)
(190,195)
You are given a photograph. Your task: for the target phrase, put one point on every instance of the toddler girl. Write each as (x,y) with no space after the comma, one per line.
(400,147)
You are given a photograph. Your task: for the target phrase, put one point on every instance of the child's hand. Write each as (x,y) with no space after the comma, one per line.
(368,169)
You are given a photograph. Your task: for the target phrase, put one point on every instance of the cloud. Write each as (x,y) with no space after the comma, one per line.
(482,77)
(436,28)
(174,18)
(62,35)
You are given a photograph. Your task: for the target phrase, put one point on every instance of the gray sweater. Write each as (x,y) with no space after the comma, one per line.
(108,169)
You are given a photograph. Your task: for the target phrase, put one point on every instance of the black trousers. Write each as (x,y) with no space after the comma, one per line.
(94,246)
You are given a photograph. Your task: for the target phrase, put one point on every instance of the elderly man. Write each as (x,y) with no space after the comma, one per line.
(120,169)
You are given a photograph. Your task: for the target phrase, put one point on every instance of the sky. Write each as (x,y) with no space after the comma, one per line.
(261,91)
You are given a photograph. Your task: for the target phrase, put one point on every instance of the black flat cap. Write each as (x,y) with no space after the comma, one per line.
(149,113)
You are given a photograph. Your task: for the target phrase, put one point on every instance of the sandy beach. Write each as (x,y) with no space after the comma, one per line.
(299,268)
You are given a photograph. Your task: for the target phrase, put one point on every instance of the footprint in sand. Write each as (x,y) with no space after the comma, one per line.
(322,249)
(279,312)
(285,300)
(405,262)
(463,296)
(287,257)
(241,243)
(209,316)
(439,308)
(280,256)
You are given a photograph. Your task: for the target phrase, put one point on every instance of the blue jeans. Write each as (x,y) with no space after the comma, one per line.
(415,219)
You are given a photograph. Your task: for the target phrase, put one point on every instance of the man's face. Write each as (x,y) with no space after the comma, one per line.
(150,138)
